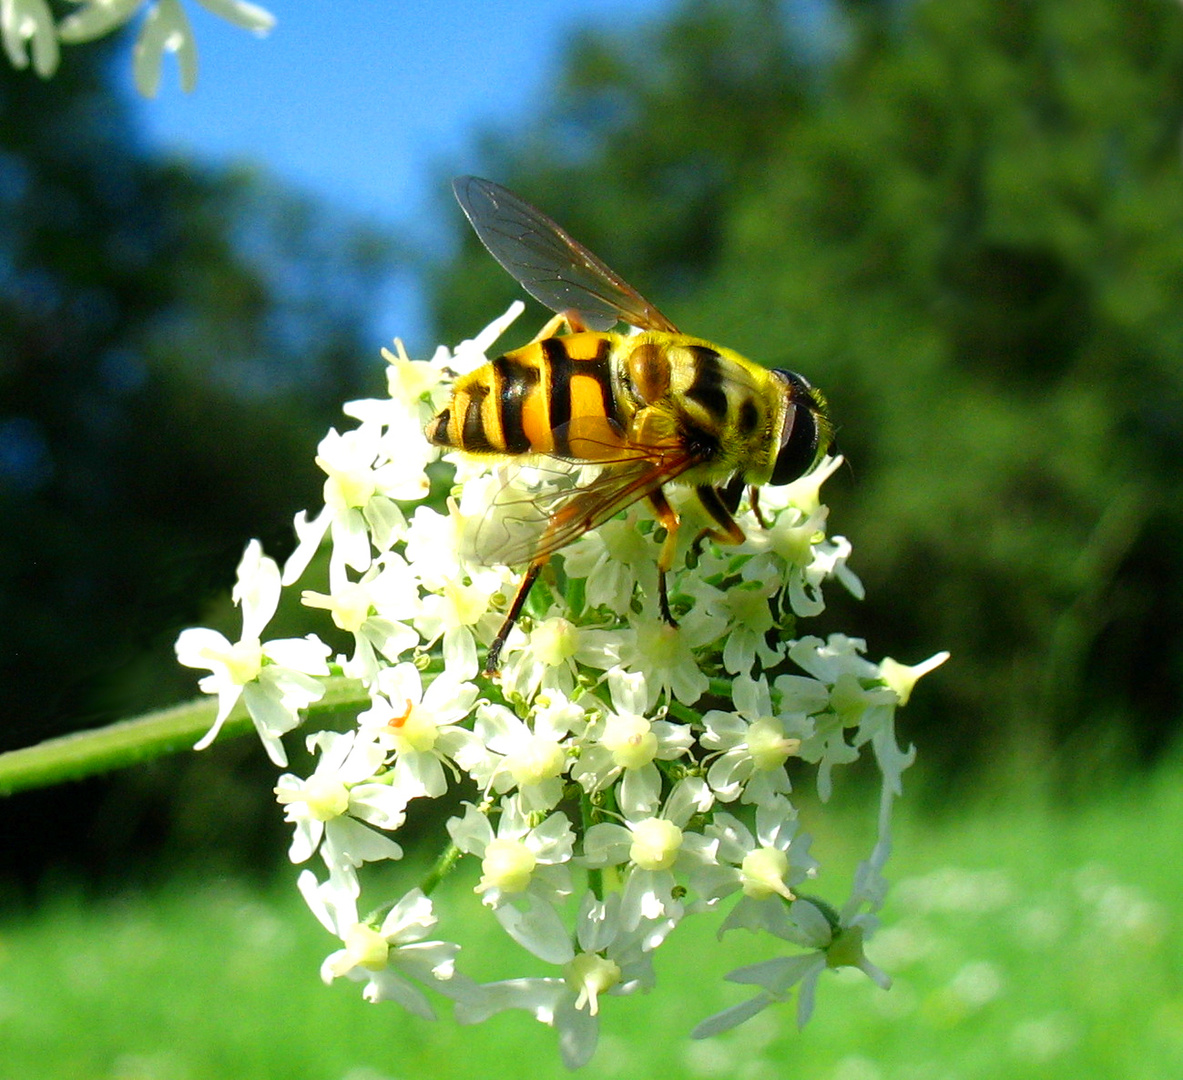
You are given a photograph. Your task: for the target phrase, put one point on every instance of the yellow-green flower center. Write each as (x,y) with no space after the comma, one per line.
(630,740)
(507,865)
(590,975)
(768,745)
(655,844)
(364,947)
(763,872)
(326,797)
(243,660)
(537,759)
(554,641)
(414,730)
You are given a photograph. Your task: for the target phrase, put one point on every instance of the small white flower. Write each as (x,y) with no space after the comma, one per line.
(453,614)
(340,801)
(609,958)
(387,957)
(545,662)
(614,559)
(376,611)
(524,873)
(625,742)
(653,846)
(359,511)
(748,614)
(276,679)
(766,866)
(665,654)
(516,756)
(420,726)
(835,943)
(857,699)
(902,678)
(755,743)
(795,551)
(415,390)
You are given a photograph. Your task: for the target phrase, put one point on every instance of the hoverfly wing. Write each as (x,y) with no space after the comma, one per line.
(507,531)
(552,267)
(524,524)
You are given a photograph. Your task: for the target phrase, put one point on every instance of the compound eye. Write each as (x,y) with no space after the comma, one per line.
(799,436)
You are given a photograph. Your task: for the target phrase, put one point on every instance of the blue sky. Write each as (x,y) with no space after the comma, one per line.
(360,101)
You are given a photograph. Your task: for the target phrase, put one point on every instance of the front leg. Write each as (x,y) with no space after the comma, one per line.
(714,502)
(670,521)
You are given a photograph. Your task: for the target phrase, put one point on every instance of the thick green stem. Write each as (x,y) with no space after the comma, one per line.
(130,742)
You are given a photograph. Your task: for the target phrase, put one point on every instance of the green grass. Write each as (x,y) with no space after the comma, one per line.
(1024,942)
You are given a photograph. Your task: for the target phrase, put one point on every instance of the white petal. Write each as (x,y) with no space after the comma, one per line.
(731,1018)
(540,997)
(539,930)
(256,590)
(606,844)
(307,654)
(96,19)
(166,29)
(310,535)
(388,985)
(410,919)
(348,842)
(471,833)
(579,1032)
(196,645)
(640,791)
(249,16)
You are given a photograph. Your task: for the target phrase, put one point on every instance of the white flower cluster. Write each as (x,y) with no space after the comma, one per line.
(165,28)
(621,773)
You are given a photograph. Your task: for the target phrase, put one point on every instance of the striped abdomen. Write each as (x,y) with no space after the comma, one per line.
(525,402)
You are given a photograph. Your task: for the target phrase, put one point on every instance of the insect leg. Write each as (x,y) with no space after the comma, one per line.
(493,659)
(669,520)
(715,503)
(754,503)
(571,319)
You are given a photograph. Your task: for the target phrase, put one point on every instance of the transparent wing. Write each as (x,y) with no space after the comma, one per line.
(552,267)
(547,504)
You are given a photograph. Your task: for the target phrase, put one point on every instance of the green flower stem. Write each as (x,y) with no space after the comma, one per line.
(443,866)
(684,713)
(721,688)
(130,742)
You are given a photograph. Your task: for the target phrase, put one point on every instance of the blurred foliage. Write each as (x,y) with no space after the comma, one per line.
(964,220)
(174,341)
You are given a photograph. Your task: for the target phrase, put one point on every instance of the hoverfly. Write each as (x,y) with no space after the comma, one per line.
(648,409)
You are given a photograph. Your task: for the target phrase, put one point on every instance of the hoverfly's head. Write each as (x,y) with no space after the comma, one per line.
(806,432)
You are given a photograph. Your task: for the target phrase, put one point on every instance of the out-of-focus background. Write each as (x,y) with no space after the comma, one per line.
(962,218)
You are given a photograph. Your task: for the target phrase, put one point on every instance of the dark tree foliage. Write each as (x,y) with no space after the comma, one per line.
(966,224)
(173,343)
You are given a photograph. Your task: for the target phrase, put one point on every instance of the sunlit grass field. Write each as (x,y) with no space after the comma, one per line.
(1024,942)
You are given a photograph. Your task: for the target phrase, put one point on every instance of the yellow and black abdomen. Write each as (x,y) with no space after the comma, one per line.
(525,402)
